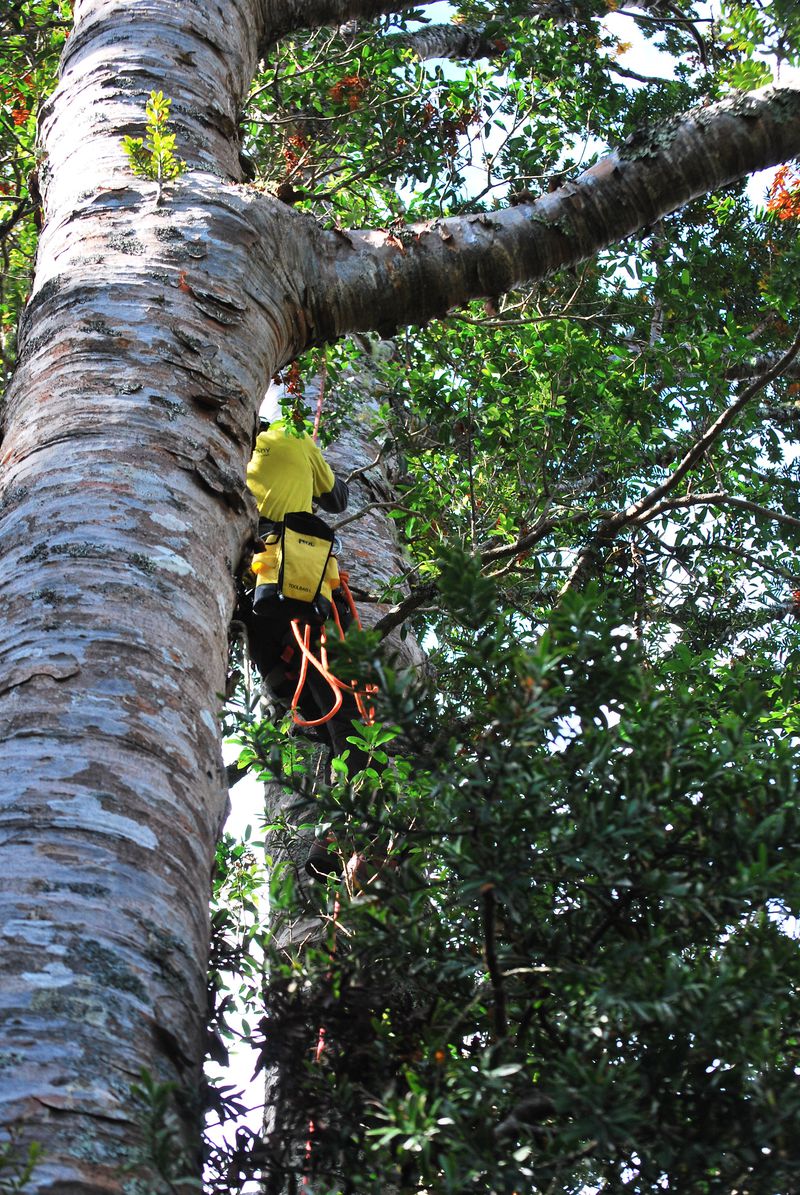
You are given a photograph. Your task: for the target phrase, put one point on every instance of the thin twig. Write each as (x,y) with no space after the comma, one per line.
(490,954)
(611,526)
(629,74)
(392,503)
(399,613)
(720,498)
(365,468)
(22,208)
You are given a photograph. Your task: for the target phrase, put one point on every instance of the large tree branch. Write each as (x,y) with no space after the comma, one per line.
(379,280)
(470,42)
(284,17)
(745,370)
(455,42)
(291,16)
(432,41)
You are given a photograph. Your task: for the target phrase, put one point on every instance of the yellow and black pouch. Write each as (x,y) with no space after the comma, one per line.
(296,570)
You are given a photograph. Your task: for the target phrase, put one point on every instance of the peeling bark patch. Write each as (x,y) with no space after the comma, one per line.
(114,197)
(79,887)
(171,561)
(48,290)
(164,519)
(89,814)
(84,1100)
(32,932)
(57,667)
(232,229)
(175,249)
(224,311)
(214,478)
(100,328)
(54,975)
(171,408)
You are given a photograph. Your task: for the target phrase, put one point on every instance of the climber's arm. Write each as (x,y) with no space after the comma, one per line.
(329,490)
(335,500)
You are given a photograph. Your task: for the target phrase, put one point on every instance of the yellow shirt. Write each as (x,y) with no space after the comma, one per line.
(286,472)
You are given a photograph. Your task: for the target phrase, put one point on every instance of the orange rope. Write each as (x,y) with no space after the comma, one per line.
(321,665)
(338,688)
(344,577)
(366,712)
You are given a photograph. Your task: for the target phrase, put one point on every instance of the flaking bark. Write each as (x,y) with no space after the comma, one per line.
(122,517)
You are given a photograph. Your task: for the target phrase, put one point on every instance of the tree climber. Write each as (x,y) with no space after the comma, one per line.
(287,474)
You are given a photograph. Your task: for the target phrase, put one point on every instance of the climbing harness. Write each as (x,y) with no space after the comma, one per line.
(297,572)
(297,566)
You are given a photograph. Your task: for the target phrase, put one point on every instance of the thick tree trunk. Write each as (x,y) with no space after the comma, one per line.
(143,357)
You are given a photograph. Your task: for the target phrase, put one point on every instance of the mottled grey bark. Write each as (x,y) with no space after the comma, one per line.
(744,370)
(455,42)
(143,354)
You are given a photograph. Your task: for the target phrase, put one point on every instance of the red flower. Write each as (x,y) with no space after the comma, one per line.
(784,194)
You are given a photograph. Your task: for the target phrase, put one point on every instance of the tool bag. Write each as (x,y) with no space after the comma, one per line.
(296,572)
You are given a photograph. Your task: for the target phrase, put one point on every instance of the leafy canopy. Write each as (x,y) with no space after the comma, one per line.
(574,965)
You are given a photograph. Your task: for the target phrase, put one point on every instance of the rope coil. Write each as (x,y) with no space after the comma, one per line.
(338,688)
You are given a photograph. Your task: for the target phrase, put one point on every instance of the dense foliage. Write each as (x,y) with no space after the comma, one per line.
(577,971)
(576,968)
(31,37)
